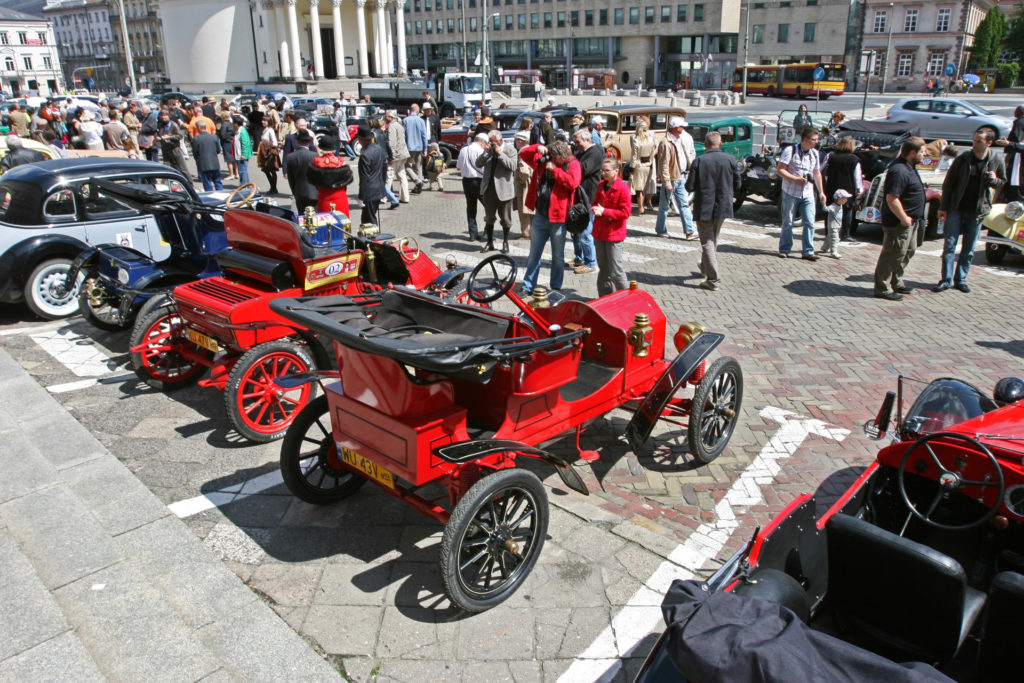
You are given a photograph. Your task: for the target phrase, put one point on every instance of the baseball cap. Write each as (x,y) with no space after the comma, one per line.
(842,194)
(676,122)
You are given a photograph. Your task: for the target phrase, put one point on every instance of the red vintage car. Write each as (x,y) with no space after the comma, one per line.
(916,572)
(224,323)
(436,394)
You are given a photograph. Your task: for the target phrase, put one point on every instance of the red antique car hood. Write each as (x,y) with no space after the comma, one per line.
(1001,429)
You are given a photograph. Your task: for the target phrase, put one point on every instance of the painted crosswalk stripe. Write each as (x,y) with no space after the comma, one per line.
(86,383)
(226,495)
(75,351)
(37,328)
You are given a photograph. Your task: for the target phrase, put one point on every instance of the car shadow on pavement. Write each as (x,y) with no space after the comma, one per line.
(1015,348)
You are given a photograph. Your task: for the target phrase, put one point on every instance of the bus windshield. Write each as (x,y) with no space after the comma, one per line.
(835,72)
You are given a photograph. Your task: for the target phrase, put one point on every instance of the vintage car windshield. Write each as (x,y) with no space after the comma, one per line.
(944,403)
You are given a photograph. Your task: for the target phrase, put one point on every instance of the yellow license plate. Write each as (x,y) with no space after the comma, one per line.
(200,339)
(370,469)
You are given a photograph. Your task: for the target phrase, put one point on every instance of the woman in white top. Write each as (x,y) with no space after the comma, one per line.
(91,131)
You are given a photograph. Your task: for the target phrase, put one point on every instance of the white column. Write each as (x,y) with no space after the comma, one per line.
(339,45)
(314,29)
(400,28)
(364,68)
(266,39)
(389,45)
(293,36)
(282,40)
(375,20)
(382,28)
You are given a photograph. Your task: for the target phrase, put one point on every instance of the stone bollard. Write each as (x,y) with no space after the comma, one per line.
(672,101)
(618,103)
(652,93)
(696,100)
(711,100)
(603,92)
(597,103)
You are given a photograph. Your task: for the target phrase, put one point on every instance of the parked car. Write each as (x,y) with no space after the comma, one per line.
(737,135)
(620,125)
(314,104)
(28,143)
(1005,231)
(46,221)
(941,118)
(183,99)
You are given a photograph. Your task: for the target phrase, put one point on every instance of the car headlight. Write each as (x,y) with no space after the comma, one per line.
(1014,210)
(122,276)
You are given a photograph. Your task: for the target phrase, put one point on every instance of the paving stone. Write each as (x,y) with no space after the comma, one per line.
(344,630)
(28,613)
(25,468)
(416,633)
(286,585)
(61,658)
(414,671)
(116,497)
(352,584)
(497,635)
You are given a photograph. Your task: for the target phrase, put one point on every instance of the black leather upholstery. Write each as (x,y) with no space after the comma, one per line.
(904,594)
(999,658)
(778,587)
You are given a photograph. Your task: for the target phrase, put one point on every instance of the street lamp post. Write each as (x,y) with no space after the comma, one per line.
(485,59)
(127,48)
(888,44)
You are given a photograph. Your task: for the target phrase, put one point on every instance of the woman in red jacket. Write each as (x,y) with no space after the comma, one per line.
(613,204)
(556,176)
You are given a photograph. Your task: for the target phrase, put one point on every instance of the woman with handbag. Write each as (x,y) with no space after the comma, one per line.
(642,145)
(267,157)
(556,175)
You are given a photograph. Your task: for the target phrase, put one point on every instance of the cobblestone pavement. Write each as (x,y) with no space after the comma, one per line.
(359,580)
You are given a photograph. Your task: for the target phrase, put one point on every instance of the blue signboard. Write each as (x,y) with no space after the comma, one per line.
(819,74)
(950,69)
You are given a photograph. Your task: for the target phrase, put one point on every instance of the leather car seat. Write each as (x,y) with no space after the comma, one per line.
(901,593)
(999,658)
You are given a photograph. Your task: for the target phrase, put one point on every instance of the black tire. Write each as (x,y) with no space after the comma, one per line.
(931,224)
(446,155)
(715,410)
(150,304)
(44,290)
(493,502)
(737,201)
(995,253)
(447,110)
(259,409)
(105,316)
(309,458)
(161,366)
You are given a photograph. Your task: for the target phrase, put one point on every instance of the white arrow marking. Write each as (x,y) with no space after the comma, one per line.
(77,352)
(642,614)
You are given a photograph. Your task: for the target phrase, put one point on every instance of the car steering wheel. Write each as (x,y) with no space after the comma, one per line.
(245,200)
(949,480)
(499,284)
(403,243)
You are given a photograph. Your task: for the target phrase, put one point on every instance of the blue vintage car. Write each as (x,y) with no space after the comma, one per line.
(46,221)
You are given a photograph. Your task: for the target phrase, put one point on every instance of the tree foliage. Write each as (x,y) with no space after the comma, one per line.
(988,39)
(1014,41)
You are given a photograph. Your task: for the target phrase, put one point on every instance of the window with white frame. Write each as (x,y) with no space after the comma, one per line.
(942,20)
(881,16)
(904,64)
(758,33)
(28,63)
(910,21)
(47,63)
(935,62)
(9,64)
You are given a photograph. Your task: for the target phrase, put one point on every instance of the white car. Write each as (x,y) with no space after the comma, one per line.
(942,118)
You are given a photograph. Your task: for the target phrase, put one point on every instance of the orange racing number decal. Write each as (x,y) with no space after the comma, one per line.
(333,270)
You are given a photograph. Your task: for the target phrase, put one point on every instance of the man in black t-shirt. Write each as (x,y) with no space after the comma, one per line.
(902,213)
(966,200)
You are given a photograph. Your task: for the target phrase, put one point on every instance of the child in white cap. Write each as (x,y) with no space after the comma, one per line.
(834,222)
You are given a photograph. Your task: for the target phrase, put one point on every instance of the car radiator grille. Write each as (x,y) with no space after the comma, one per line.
(220,291)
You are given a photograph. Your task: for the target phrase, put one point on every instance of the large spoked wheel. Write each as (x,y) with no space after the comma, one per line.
(159,336)
(96,308)
(241,196)
(259,409)
(502,269)
(493,539)
(716,408)
(47,293)
(310,464)
(950,480)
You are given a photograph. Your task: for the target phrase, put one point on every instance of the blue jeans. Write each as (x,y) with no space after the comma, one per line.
(583,246)
(349,151)
(211,180)
(542,231)
(679,192)
(807,208)
(959,223)
(243,171)
(390,195)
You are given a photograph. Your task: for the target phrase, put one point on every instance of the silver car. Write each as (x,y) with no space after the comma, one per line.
(948,119)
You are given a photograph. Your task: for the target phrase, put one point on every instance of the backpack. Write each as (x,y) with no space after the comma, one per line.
(435,164)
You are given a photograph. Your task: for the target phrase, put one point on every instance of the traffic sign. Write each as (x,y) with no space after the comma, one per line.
(819,74)
(950,69)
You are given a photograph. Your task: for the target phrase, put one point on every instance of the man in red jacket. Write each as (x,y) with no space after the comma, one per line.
(555,178)
(613,203)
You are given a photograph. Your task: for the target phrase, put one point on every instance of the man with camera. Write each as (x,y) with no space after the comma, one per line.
(799,168)
(497,187)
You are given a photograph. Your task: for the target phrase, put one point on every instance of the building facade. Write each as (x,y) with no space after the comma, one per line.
(659,43)
(29,61)
(145,35)
(85,42)
(926,36)
(237,42)
(789,31)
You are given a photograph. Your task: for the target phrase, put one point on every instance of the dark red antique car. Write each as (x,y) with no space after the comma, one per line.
(435,394)
(224,323)
(915,573)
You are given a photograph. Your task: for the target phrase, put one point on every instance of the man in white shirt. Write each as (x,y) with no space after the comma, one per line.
(471,177)
(799,168)
(675,154)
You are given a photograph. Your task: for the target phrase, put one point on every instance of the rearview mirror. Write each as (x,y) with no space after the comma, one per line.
(876,429)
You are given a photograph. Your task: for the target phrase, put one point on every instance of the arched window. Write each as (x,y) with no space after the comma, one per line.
(9,64)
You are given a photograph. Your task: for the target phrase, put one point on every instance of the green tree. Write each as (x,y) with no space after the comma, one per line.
(988,39)
(1014,41)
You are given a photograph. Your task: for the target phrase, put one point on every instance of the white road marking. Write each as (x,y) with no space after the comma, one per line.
(86,383)
(642,614)
(228,494)
(76,351)
(38,328)
(745,234)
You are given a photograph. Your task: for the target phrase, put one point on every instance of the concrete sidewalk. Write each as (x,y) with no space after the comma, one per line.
(100,581)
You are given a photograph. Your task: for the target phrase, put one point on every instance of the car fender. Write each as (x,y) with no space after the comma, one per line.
(86,260)
(462,452)
(18,262)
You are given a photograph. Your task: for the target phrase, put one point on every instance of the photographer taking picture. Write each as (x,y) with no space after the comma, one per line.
(497,187)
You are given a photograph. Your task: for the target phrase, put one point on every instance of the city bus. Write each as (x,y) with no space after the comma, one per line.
(794,80)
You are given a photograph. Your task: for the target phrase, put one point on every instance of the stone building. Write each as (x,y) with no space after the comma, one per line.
(85,42)
(29,62)
(787,31)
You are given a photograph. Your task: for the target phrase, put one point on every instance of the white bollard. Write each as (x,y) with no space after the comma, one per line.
(696,100)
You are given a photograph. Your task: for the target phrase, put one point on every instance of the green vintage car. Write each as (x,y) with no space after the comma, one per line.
(737,135)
